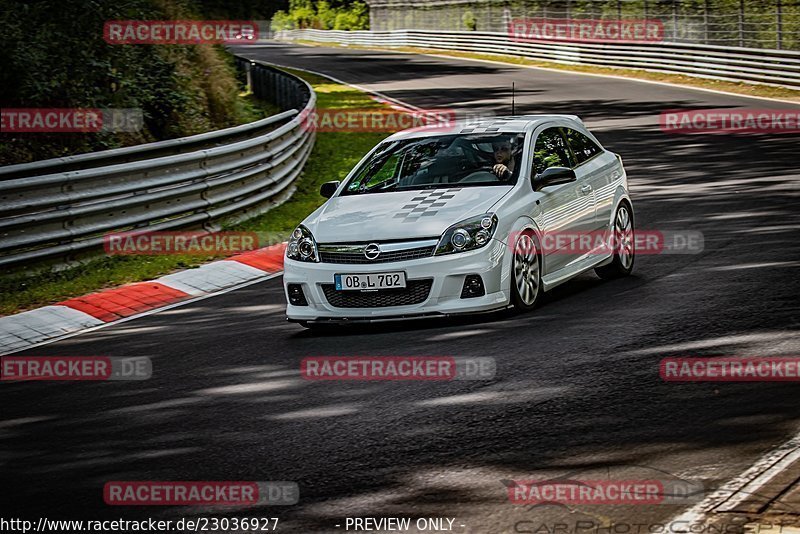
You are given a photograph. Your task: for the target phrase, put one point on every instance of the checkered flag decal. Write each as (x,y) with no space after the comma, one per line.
(426,204)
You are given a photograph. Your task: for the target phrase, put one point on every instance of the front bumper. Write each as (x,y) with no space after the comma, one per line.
(446,274)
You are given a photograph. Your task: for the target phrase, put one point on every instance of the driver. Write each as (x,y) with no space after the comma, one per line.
(504,163)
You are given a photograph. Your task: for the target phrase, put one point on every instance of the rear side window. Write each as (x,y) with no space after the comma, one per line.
(550,150)
(583,147)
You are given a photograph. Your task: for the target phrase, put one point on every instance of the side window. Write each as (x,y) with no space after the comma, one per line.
(550,151)
(583,147)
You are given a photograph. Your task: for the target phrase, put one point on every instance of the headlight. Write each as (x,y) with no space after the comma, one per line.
(468,235)
(302,246)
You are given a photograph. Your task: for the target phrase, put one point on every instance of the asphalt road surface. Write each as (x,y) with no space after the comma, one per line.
(577,391)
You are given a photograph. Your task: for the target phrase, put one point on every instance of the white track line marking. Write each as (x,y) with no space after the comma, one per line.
(564,71)
(760,481)
(764,470)
(354,86)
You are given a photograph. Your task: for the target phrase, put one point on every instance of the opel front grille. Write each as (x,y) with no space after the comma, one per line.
(389,252)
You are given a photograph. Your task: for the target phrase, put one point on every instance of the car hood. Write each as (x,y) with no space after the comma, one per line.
(399,214)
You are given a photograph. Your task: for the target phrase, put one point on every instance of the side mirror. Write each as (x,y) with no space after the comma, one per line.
(328,189)
(553,176)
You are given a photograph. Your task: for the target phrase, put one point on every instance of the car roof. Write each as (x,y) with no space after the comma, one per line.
(509,124)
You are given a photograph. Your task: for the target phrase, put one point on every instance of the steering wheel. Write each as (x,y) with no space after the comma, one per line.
(477,175)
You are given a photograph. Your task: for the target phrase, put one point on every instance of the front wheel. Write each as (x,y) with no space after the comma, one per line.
(624,249)
(526,268)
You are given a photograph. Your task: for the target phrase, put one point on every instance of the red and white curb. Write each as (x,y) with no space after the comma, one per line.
(26,329)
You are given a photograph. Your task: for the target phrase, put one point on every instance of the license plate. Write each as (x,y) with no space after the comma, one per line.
(366,282)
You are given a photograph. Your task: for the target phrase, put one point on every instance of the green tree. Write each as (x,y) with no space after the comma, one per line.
(354,18)
(282,21)
(469,21)
(326,15)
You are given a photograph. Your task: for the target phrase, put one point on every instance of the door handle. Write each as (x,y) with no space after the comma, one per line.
(586,189)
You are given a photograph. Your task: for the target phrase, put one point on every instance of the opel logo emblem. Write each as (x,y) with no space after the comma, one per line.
(372,251)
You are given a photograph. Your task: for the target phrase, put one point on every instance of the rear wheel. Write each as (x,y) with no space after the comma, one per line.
(526,270)
(624,250)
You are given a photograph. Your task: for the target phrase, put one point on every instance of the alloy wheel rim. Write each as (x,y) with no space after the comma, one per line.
(526,269)
(624,229)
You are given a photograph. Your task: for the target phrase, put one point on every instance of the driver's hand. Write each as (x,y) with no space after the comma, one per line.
(501,171)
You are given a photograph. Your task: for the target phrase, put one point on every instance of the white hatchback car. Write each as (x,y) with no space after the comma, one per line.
(434,222)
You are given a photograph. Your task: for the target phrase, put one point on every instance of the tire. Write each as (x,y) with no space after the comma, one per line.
(526,273)
(624,249)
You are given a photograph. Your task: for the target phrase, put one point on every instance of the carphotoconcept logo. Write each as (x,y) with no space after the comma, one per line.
(185,32)
(189,242)
(397,368)
(74,368)
(585,30)
(727,121)
(70,120)
(731,369)
(200,493)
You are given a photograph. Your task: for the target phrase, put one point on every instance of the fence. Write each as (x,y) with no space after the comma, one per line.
(776,67)
(742,23)
(59,208)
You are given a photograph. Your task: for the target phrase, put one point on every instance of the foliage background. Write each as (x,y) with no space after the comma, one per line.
(322,15)
(53,56)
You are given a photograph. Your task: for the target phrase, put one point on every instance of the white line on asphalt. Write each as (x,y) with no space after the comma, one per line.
(760,481)
(748,483)
(564,71)
(151,312)
(342,82)
(631,79)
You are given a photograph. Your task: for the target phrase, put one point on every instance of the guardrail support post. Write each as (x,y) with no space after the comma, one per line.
(779,26)
(248,67)
(675,21)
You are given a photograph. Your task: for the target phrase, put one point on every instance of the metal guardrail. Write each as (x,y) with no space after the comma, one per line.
(774,67)
(743,23)
(56,208)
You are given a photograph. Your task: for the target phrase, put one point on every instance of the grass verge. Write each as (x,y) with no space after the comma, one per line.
(748,89)
(334,154)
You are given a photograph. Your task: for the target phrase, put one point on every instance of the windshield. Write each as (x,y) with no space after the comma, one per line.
(439,162)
